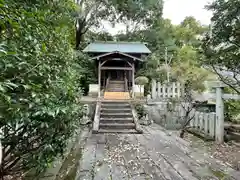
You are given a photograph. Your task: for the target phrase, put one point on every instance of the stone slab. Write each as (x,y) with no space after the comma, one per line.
(155,154)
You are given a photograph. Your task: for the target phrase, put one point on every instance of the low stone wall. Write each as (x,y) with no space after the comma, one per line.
(171,120)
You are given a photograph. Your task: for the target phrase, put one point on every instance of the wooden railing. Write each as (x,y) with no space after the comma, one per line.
(126,84)
(107,83)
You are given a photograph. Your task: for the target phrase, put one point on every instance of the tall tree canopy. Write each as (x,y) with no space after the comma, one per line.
(222,44)
(135,15)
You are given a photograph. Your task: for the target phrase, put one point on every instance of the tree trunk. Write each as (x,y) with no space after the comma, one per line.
(182,133)
(1,172)
(78,38)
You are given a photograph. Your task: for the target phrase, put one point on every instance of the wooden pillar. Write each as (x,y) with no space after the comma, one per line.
(133,79)
(104,78)
(219,115)
(99,78)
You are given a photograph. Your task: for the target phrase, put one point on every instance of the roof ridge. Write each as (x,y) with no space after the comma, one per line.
(121,46)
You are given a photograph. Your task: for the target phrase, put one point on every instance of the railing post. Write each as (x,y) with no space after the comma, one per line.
(133,80)
(158,90)
(99,79)
(219,115)
(154,85)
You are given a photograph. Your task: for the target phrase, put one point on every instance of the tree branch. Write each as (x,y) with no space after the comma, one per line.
(224,80)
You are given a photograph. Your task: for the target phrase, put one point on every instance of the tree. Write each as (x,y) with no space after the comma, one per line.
(189,32)
(133,14)
(137,14)
(39,109)
(90,13)
(222,44)
(87,71)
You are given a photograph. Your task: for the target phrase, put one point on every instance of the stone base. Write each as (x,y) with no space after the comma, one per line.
(93,94)
(138,95)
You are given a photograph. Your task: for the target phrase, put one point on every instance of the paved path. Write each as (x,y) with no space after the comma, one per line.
(156,154)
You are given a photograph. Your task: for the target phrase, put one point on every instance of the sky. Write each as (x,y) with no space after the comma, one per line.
(176,11)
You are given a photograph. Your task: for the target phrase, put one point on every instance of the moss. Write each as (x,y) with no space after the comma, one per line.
(219,174)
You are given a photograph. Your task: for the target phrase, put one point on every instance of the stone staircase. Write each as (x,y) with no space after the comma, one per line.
(116,117)
(116,86)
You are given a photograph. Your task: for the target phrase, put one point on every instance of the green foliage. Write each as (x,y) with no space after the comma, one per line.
(185,72)
(187,54)
(151,69)
(141,80)
(87,71)
(98,36)
(132,13)
(188,32)
(39,90)
(140,110)
(222,45)
(232,107)
(181,41)
(90,14)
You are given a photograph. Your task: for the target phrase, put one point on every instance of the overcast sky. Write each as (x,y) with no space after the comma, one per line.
(176,11)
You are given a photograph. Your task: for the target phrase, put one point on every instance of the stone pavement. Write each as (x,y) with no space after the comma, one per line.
(155,154)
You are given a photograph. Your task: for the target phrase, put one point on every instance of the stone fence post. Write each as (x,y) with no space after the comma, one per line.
(154,88)
(219,133)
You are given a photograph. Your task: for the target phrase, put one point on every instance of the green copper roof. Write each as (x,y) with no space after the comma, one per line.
(125,47)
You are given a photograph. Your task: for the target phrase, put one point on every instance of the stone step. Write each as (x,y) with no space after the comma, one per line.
(116,87)
(232,127)
(116,115)
(115,106)
(116,82)
(118,131)
(115,110)
(116,90)
(116,120)
(120,85)
(234,136)
(116,126)
(115,102)
(116,95)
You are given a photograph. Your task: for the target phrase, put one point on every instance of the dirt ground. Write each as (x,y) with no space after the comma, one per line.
(229,153)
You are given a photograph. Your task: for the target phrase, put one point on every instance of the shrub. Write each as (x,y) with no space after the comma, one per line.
(38,84)
(140,110)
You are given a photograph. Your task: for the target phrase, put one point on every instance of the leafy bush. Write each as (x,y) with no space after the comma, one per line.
(88,72)
(140,110)
(38,84)
(232,107)
(141,80)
